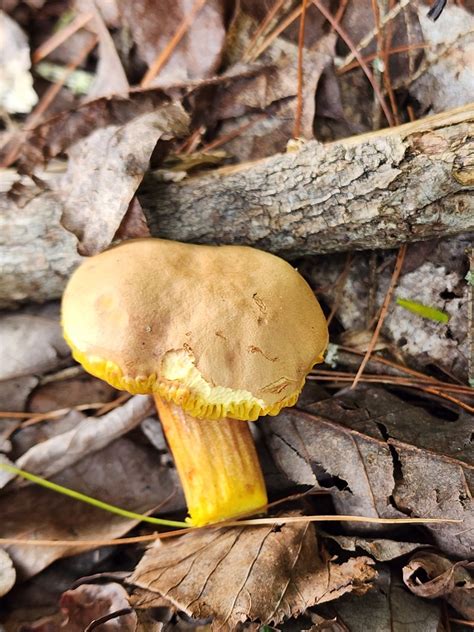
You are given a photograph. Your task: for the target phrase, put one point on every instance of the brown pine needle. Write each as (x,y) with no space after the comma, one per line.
(276,32)
(347,40)
(164,55)
(299,94)
(60,37)
(392,51)
(383,311)
(261,28)
(101,407)
(469,624)
(388,379)
(236,523)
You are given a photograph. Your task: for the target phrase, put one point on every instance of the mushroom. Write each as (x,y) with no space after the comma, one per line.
(219,334)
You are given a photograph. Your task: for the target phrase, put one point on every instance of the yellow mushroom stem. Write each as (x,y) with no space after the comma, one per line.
(217,464)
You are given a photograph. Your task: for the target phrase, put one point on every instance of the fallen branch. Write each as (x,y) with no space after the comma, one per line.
(377,190)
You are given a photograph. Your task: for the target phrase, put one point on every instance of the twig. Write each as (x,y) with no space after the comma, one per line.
(164,55)
(299,93)
(347,40)
(107,617)
(383,312)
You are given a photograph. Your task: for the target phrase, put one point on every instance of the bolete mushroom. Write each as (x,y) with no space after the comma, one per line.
(219,334)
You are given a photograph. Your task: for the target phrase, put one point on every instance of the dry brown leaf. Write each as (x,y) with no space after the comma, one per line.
(122,474)
(388,607)
(7,573)
(240,574)
(84,604)
(92,601)
(431,576)
(110,78)
(59,132)
(153,25)
(262,108)
(68,392)
(13,397)
(448,77)
(133,224)
(380,549)
(90,435)
(104,171)
(379,456)
(31,342)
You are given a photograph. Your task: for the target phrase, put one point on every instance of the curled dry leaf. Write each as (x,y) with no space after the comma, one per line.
(90,435)
(7,573)
(379,456)
(122,474)
(104,171)
(431,576)
(31,342)
(239,574)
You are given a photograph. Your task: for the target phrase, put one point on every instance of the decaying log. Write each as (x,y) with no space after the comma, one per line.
(374,191)
(378,190)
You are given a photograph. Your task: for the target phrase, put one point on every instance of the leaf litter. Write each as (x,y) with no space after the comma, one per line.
(274,574)
(228,78)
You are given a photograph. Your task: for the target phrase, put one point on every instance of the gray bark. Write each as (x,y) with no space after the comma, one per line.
(374,191)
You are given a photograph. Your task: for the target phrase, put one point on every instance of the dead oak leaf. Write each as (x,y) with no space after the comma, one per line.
(237,574)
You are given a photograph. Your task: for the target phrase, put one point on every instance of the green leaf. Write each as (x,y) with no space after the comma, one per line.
(423,310)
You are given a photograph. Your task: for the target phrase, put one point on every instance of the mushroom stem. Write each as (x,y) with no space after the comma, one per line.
(217,464)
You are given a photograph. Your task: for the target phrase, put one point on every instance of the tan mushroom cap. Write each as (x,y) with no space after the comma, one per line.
(223,331)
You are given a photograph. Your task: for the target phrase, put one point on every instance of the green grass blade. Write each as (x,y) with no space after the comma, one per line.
(89,500)
(423,310)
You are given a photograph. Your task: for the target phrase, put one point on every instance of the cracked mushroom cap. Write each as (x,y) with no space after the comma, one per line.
(223,331)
